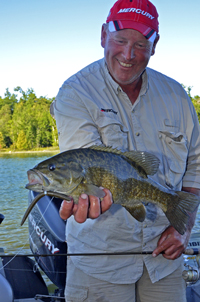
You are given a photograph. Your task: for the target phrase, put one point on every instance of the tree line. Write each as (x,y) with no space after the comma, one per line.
(26,123)
(195,100)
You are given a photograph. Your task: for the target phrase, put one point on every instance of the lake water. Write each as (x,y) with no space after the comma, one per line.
(14,200)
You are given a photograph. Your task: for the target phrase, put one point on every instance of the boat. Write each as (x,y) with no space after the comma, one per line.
(20,279)
(191,273)
(20,275)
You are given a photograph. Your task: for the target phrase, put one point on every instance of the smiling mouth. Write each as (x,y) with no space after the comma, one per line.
(125,64)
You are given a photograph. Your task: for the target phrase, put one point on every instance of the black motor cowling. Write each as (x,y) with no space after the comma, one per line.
(47,236)
(1,218)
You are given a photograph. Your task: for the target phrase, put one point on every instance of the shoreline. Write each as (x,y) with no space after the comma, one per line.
(29,151)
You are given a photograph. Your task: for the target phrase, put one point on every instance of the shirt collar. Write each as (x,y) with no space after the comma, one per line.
(114,84)
(145,83)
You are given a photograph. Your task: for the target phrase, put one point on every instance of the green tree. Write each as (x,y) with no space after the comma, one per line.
(22,143)
(2,144)
(26,116)
(9,99)
(196,103)
(188,89)
(195,100)
(5,124)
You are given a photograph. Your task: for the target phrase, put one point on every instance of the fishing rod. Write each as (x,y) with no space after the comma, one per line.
(190,252)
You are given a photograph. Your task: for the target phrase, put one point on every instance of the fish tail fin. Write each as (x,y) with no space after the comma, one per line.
(179,209)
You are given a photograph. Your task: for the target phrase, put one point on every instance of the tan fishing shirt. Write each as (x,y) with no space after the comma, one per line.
(91,108)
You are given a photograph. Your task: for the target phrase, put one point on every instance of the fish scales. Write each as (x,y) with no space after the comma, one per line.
(105,170)
(128,190)
(125,174)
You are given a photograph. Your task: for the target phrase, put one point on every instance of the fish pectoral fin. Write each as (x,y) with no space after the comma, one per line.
(138,211)
(91,189)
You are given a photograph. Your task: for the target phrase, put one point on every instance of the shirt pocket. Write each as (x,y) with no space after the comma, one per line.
(113,132)
(175,153)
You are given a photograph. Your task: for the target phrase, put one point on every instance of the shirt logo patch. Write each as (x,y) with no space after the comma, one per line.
(108,110)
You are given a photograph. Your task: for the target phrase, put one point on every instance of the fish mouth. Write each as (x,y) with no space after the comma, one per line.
(37,181)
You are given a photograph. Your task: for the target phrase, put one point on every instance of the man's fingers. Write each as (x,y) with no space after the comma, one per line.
(80,210)
(107,201)
(66,209)
(172,255)
(81,213)
(171,244)
(87,207)
(95,207)
(158,250)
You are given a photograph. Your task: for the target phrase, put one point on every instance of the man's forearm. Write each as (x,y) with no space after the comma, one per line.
(191,190)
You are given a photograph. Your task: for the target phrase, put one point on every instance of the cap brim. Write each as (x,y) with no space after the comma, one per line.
(146,31)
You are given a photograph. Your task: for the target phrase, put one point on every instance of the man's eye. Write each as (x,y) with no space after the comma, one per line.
(140,45)
(119,41)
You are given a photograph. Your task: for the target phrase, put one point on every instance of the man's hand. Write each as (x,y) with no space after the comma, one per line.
(172,244)
(87,207)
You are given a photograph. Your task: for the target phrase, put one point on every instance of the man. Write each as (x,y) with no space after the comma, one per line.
(120,102)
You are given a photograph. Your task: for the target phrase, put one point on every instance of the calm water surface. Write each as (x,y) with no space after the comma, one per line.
(14,201)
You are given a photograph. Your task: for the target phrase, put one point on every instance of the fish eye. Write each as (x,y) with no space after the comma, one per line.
(52,167)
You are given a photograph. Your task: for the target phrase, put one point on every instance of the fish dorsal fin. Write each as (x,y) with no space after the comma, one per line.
(106,149)
(145,163)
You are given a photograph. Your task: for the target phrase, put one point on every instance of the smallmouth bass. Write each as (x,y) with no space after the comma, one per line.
(125,174)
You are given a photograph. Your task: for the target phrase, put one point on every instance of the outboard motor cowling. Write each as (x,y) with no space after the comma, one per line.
(1,218)
(47,236)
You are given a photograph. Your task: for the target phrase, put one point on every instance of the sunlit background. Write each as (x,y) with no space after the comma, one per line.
(43,42)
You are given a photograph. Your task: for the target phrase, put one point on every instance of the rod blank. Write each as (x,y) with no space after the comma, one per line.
(187,252)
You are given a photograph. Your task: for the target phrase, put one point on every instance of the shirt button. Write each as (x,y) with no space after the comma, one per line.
(137,134)
(145,226)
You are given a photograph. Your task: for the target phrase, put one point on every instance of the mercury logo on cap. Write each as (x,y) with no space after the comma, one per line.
(137,11)
(140,15)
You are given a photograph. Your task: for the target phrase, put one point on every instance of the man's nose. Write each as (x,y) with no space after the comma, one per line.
(129,52)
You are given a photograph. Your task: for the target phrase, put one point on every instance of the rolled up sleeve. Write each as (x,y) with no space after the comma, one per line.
(192,175)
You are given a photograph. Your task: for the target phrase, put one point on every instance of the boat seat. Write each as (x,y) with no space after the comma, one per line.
(6,293)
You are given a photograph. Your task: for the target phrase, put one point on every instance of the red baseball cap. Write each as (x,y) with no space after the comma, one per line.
(140,15)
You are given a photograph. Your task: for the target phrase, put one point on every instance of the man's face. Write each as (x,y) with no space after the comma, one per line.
(127,53)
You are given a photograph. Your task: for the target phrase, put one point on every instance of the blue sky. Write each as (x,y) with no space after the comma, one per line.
(43,42)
